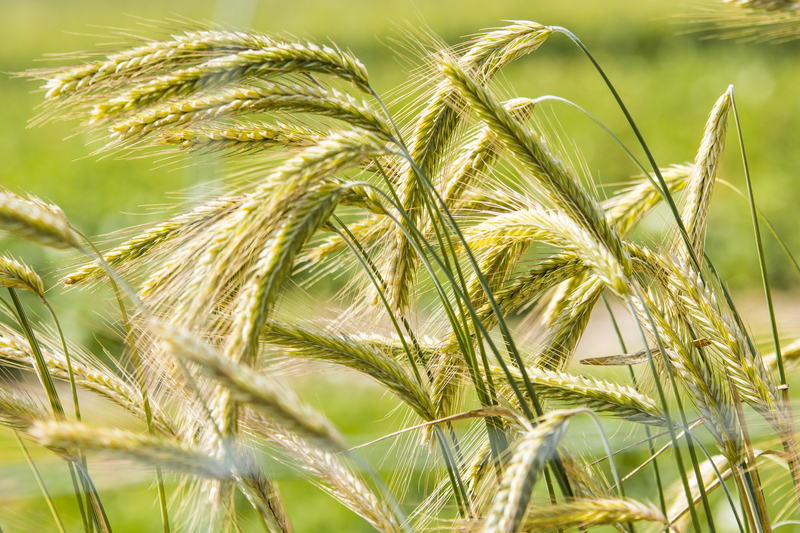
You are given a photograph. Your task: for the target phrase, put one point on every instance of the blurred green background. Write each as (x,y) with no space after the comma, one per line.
(669,78)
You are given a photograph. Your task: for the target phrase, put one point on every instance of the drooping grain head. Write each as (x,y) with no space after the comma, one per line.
(35,220)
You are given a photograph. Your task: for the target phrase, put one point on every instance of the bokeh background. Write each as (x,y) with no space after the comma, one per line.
(668,73)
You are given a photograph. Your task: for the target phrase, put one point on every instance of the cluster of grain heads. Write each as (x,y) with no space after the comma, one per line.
(470,197)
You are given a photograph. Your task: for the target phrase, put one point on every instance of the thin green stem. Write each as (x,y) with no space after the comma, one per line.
(41,484)
(462,499)
(762,262)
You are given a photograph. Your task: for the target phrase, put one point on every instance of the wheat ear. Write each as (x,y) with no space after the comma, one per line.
(17,275)
(150,239)
(242,137)
(249,387)
(626,208)
(37,221)
(149,449)
(268,96)
(601,396)
(585,513)
(700,187)
(351,352)
(66,82)
(531,452)
(552,227)
(280,58)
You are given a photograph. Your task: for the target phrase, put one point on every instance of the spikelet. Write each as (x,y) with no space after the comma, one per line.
(711,320)
(37,221)
(16,275)
(527,286)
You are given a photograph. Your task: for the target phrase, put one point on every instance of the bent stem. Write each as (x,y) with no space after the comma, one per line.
(787,428)
(41,484)
(87,526)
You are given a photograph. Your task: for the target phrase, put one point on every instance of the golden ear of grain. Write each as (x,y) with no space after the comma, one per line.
(241,100)
(17,275)
(242,137)
(551,227)
(434,131)
(594,512)
(531,452)
(141,61)
(143,244)
(149,449)
(37,221)
(601,396)
(279,58)
(626,208)
(247,386)
(351,352)
(700,187)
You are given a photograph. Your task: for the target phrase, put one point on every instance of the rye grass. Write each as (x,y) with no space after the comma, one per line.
(452,216)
